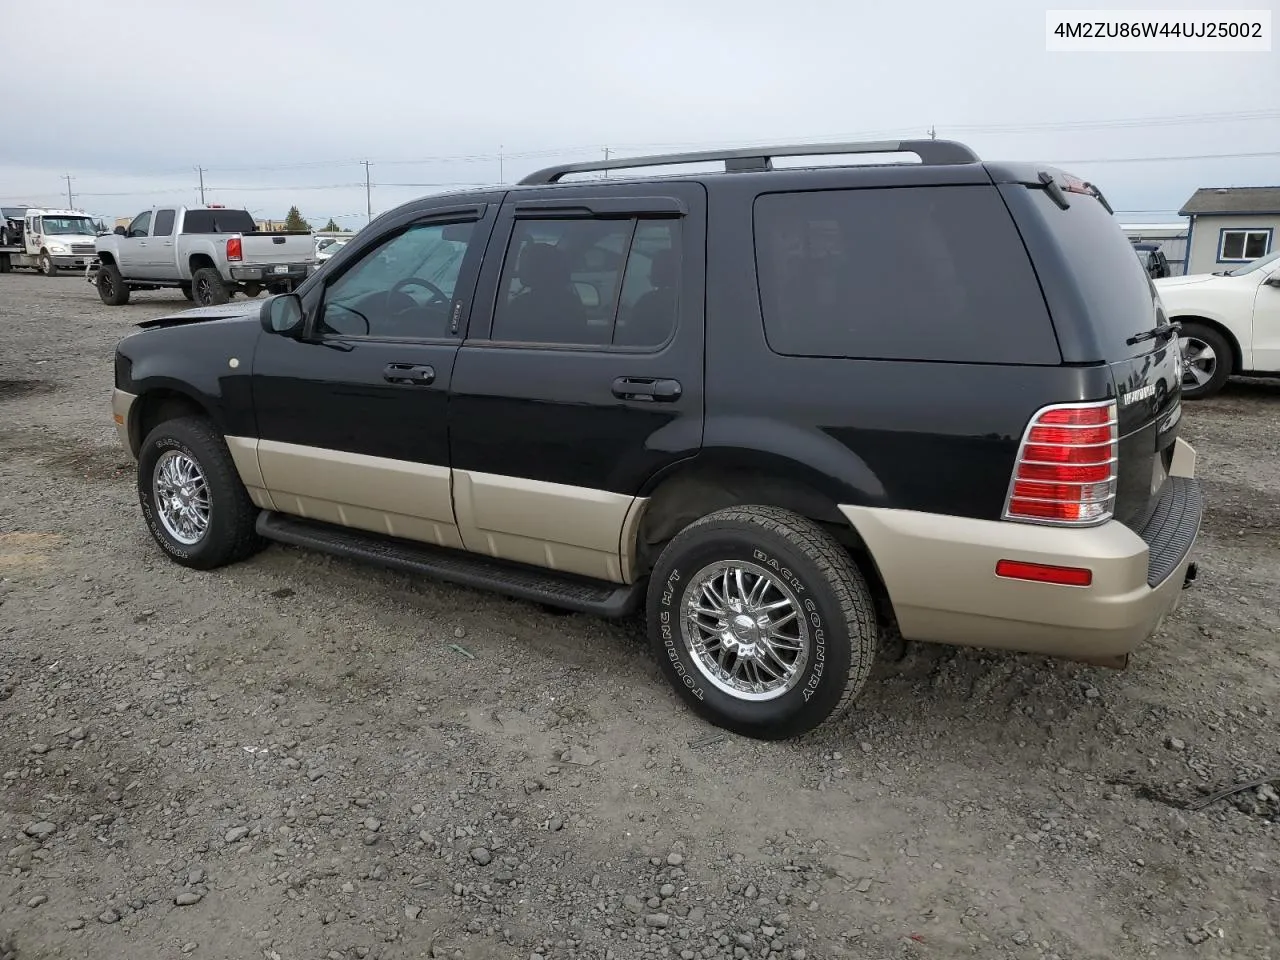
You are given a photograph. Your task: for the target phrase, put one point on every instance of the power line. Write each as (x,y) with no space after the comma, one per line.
(1194,156)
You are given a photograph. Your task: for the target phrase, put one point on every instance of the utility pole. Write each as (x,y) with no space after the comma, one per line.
(200,170)
(71,205)
(933,133)
(501,178)
(606,160)
(368,196)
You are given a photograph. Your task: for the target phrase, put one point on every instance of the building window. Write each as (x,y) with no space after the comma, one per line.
(1240,246)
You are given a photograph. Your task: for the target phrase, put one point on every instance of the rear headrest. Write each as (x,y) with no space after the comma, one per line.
(542,264)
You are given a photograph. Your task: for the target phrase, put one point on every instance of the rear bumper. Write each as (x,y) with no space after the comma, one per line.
(940,575)
(269,272)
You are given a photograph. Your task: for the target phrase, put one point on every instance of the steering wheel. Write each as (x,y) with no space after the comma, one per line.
(419,282)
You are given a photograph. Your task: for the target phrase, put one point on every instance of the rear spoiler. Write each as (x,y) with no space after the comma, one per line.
(1056,183)
(1063,183)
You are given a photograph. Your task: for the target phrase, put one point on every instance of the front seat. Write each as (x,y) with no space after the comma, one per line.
(651,318)
(548,310)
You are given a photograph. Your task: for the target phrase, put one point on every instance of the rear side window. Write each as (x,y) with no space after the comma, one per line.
(903,273)
(164,224)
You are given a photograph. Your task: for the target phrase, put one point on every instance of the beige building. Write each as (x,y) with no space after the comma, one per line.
(1230,226)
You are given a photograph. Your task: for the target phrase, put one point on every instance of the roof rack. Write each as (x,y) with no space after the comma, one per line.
(757,159)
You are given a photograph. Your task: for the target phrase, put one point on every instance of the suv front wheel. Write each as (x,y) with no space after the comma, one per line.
(761,621)
(192,499)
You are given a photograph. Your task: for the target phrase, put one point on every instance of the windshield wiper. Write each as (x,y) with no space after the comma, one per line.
(1165,329)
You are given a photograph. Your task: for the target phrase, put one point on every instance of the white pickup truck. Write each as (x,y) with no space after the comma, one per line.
(210,253)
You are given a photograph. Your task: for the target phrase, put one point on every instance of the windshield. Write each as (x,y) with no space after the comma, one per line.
(67,226)
(1253,265)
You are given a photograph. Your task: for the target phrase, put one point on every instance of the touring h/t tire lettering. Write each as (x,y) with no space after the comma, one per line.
(835,603)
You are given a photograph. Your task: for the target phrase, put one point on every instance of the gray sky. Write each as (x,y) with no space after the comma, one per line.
(276,97)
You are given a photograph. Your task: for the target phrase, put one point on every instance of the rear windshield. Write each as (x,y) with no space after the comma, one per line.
(218,221)
(900,273)
(1113,284)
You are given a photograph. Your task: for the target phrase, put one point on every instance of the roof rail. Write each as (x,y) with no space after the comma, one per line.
(755,159)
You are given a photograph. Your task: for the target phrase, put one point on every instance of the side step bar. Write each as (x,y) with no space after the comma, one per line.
(570,592)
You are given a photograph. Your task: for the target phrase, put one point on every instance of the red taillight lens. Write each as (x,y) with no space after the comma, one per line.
(1066,470)
(1044,573)
(235,249)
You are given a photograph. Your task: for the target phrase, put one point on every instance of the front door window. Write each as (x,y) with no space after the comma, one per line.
(403,288)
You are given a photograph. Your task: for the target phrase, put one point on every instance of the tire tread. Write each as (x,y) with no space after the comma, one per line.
(240,514)
(834,563)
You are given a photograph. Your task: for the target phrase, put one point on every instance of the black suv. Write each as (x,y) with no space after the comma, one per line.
(791,413)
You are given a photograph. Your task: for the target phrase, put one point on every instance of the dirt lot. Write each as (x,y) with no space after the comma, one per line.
(299,757)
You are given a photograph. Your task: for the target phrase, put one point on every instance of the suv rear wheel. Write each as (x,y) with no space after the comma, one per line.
(761,621)
(192,499)
(1207,359)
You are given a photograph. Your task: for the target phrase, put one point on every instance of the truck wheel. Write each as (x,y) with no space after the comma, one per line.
(112,289)
(1207,361)
(4,236)
(207,287)
(47,266)
(761,621)
(192,499)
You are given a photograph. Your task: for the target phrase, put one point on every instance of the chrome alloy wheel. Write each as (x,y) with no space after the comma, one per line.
(182,497)
(745,630)
(1199,361)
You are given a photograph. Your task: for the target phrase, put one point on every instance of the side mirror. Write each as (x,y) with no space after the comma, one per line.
(282,315)
(121,232)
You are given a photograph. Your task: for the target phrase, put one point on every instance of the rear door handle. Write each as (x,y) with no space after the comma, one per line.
(417,375)
(646,388)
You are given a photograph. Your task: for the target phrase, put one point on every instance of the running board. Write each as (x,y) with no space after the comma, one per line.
(570,592)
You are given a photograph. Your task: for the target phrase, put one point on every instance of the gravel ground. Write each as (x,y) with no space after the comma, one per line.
(300,757)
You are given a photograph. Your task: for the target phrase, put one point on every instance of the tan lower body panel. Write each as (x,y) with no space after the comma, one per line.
(244,453)
(940,575)
(571,529)
(395,497)
(121,404)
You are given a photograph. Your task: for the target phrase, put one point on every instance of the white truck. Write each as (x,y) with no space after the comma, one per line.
(49,241)
(209,253)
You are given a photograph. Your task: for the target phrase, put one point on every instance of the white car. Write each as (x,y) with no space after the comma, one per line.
(1230,323)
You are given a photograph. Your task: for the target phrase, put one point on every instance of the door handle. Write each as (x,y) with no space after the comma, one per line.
(413,374)
(646,388)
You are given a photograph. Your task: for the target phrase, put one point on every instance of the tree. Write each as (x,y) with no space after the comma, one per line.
(331,227)
(293,220)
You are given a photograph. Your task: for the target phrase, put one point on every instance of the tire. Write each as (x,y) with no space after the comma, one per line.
(207,288)
(1193,342)
(186,291)
(228,534)
(251,290)
(47,266)
(804,566)
(112,289)
(4,236)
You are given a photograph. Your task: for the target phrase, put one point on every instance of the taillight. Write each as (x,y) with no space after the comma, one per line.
(1067,466)
(235,250)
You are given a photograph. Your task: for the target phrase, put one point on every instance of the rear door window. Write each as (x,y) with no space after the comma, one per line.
(902,273)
